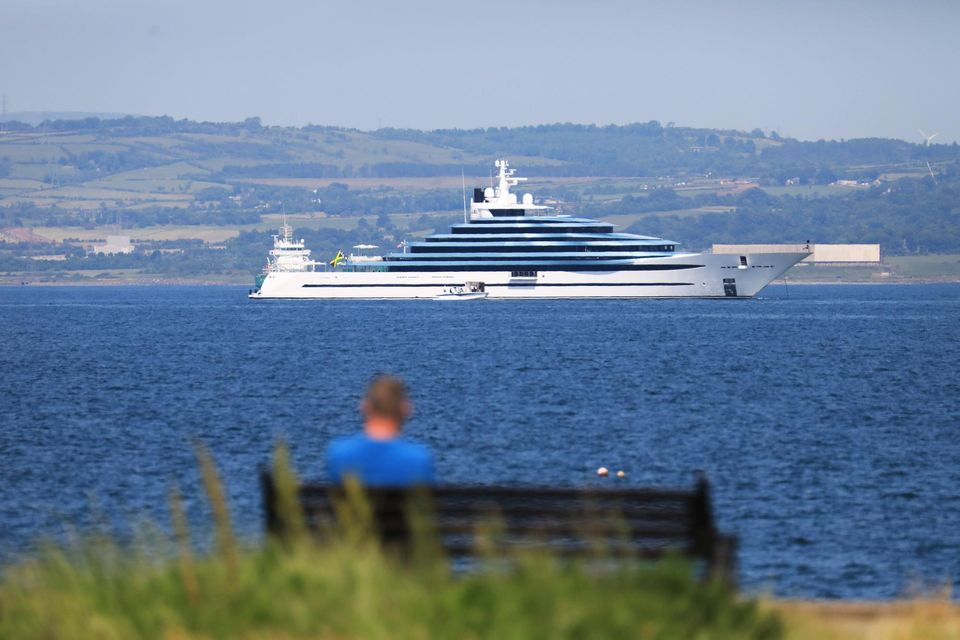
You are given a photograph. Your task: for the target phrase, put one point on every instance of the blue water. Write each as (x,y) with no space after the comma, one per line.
(827,417)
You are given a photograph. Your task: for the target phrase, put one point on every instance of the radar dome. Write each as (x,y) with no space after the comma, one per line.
(488,193)
(527,198)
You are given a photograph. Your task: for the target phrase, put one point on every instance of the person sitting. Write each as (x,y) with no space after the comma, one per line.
(380,456)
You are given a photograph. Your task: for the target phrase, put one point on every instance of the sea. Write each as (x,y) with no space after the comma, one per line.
(827,417)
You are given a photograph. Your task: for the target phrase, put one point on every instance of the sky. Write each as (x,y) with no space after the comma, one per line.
(806,69)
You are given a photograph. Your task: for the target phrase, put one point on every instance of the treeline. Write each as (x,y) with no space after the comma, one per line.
(375,170)
(652,149)
(640,149)
(23,213)
(137,126)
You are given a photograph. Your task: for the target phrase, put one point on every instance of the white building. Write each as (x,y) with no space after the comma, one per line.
(113,245)
(821,253)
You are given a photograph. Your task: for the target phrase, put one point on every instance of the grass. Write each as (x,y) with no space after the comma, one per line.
(927,266)
(405,184)
(922,619)
(160,586)
(810,191)
(915,268)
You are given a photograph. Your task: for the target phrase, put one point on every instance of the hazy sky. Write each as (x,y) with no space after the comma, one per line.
(808,69)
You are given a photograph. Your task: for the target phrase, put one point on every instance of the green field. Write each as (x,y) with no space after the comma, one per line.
(220,233)
(810,190)
(927,266)
(894,269)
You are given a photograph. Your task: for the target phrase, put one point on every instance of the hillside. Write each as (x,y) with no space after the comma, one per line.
(199,198)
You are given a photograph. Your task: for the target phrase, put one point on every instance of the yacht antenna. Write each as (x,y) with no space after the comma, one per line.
(463,185)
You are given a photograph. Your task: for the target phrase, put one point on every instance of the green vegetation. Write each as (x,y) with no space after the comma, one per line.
(346,587)
(906,217)
(226,184)
(929,266)
(650,149)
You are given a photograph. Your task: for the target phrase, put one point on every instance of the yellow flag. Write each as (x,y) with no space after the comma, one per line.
(338,259)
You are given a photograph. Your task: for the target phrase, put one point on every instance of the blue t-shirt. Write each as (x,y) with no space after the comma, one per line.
(380,463)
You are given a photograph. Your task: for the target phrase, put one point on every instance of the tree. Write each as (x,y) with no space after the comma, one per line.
(383,222)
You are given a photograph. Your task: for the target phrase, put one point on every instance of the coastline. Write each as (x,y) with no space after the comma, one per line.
(6,281)
(908,269)
(899,281)
(202,280)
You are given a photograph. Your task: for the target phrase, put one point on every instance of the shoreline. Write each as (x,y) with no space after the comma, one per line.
(904,281)
(212,282)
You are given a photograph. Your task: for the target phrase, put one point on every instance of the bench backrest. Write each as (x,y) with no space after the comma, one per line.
(645,522)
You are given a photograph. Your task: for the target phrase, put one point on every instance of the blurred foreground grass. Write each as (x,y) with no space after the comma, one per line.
(346,587)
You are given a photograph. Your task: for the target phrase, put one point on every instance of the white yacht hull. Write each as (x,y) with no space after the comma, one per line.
(678,276)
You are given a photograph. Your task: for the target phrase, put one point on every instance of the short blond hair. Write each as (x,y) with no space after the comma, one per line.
(387,396)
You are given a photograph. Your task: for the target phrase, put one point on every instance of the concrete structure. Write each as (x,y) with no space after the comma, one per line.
(113,245)
(822,253)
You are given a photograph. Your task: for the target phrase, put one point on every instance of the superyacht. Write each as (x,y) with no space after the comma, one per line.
(510,247)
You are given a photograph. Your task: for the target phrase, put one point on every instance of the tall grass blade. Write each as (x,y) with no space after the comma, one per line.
(226,541)
(181,534)
(289,510)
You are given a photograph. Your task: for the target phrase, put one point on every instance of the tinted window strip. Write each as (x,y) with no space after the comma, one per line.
(522,284)
(401,267)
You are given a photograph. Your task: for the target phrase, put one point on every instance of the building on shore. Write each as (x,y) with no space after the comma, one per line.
(832,254)
(113,245)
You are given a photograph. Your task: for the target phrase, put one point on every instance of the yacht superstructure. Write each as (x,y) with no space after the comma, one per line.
(515,248)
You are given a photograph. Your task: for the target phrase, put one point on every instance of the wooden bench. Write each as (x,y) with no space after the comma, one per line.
(626,522)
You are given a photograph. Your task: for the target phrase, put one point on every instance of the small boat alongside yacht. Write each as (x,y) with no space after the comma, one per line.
(469,291)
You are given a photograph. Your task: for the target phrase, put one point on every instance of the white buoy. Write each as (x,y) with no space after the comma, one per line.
(603,472)
(621,474)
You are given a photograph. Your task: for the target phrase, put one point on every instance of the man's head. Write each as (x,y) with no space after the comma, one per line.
(385,406)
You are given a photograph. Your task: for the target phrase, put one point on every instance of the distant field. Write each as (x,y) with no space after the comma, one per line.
(159,232)
(215,234)
(19,184)
(893,269)
(811,190)
(440,182)
(443,182)
(929,266)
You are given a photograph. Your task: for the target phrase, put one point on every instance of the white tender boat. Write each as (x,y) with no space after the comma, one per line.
(469,291)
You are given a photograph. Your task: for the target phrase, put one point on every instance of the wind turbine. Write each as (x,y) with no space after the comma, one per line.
(926,143)
(927,138)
